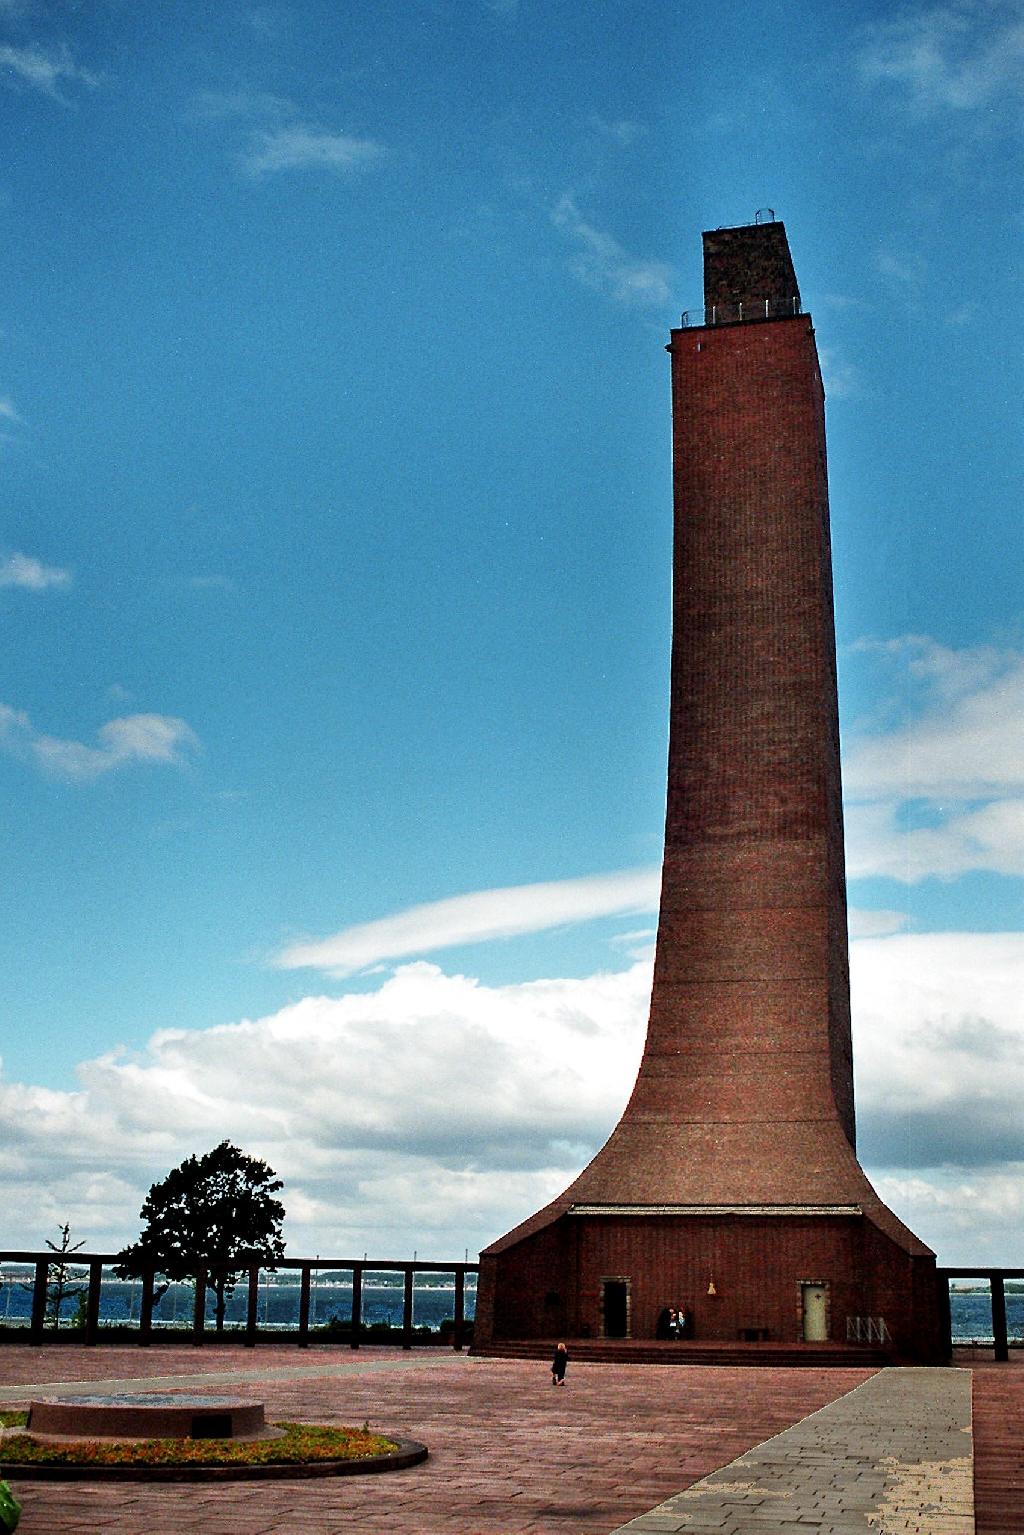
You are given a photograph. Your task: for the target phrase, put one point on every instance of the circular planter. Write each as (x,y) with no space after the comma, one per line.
(151,1416)
(407,1452)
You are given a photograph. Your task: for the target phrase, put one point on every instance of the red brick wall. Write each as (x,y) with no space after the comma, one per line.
(753,915)
(757,1265)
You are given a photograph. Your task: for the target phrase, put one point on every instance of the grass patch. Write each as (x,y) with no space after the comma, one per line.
(301,1444)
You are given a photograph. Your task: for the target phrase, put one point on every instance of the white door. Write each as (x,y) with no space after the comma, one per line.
(815,1313)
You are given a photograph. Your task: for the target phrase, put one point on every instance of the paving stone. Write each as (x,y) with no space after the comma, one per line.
(508,1456)
(612,1451)
(895,1454)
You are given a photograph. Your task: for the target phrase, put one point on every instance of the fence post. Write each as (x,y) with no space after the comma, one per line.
(357,1303)
(92,1303)
(251,1308)
(39,1302)
(460,1308)
(1002,1351)
(407,1309)
(304,1307)
(199,1313)
(146,1308)
(945,1311)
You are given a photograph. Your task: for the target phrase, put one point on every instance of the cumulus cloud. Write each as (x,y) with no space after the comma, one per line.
(434,1110)
(31,574)
(880,842)
(484,914)
(960,56)
(601,262)
(965,731)
(973,1219)
(936,787)
(939,1049)
(43,69)
(299,147)
(133,738)
(875,924)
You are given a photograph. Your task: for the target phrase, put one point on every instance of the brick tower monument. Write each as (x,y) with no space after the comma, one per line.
(731,1185)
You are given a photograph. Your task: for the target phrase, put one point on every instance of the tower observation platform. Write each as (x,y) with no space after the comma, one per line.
(730,1187)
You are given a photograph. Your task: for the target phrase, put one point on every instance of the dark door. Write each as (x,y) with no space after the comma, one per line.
(616,1310)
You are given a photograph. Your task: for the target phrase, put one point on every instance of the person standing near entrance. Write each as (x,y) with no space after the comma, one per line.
(558,1365)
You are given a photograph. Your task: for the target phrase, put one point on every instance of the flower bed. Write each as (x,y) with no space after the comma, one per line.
(304,1449)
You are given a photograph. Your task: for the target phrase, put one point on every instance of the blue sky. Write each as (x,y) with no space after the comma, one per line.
(334,580)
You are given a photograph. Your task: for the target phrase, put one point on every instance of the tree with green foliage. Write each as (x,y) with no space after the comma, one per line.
(214,1214)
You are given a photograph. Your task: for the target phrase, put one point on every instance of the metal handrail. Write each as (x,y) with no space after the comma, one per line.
(742,313)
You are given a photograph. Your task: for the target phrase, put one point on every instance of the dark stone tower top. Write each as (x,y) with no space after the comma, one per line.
(749,266)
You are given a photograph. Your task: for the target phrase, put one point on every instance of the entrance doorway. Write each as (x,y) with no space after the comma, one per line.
(814,1306)
(615,1307)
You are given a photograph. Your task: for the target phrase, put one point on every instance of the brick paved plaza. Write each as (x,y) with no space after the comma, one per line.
(508,1453)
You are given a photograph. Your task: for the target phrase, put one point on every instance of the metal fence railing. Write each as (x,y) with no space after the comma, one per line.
(740,313)
(351,1300)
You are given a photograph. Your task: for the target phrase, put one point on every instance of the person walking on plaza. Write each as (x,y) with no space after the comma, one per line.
(558,1365)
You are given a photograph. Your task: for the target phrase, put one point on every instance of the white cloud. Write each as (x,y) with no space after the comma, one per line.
(989,838)
(240,103)
(639,944)
(8,411)
(939,1052)
(266,20)
(602,263)
(43,69)
(299,147)
(484,914)
(875,924)
(840,379)
(973,1219)
(964,738)
(31,574)
(905,271)
(960,56)
(621,129)
(432,1112)
(939,788)
(133,738)
(435,1112)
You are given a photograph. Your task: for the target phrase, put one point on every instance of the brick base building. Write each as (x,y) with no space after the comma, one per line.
(731,1185)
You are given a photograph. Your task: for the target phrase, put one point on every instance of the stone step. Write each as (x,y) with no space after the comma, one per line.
(711,1352)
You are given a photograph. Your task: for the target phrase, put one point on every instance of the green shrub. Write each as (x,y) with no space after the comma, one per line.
(10,1509)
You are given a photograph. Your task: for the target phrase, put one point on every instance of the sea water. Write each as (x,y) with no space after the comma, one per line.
(330,1297)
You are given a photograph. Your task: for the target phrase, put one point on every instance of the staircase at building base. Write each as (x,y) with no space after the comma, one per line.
(649,1351)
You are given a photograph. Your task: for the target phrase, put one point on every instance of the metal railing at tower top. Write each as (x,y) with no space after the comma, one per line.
(742,313)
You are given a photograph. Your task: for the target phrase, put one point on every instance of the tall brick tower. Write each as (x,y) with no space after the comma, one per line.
(731,1183)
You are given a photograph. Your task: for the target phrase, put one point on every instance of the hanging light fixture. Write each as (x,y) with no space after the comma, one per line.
(711,1287)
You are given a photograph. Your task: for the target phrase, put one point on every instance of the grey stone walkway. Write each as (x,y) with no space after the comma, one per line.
(325,1368)
(893,1455)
